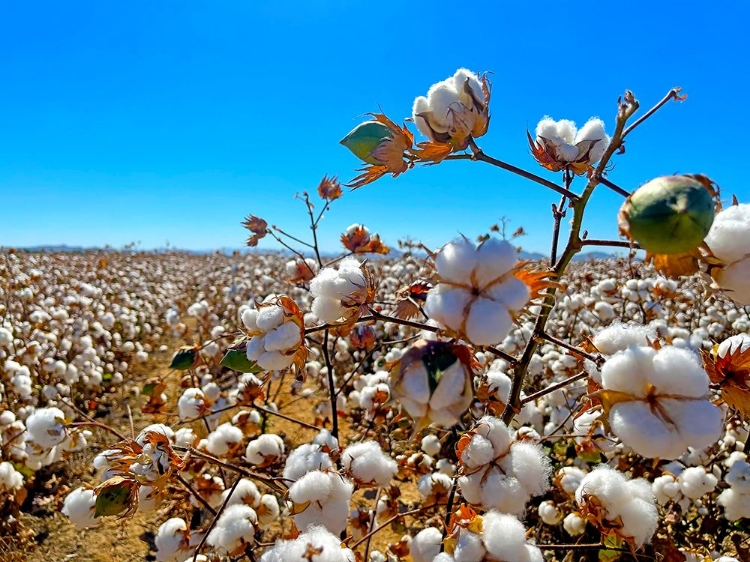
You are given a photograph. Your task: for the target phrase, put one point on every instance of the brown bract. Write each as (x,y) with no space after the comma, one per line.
(257,226)
(360,241)
(390,154)
(409,300)
(329,188)
(732,374)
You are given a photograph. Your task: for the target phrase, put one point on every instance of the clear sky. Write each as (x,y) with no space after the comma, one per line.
(170,121)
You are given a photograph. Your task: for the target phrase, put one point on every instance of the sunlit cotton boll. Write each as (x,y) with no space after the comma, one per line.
(663,405)
(695,482)
(46,426)
(501,473)
(321,498)
(264,450)
(234,529)
(368,465)
(337,293)
(478,294)
(426,545)
(728,241)
(172,540)
(315,539)
(192,404)
(574,524)
(79,507)
(224,439)
(626,505)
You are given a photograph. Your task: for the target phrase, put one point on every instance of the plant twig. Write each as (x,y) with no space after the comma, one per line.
(195,494)
(673,94)
(331,387)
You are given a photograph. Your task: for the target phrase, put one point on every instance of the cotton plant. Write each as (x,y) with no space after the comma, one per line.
(727,241)
(342,294)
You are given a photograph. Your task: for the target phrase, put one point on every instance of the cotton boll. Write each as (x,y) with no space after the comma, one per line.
(456,260)
(10,478)
(234,528)
(738,476)
(447,304)
(264,450)
(569,478)
(478,452)
(531,466)
(306,458)
(191,404)
(629,370)
(431,445)
(547,128)
(172,540)
(695,482)
(666,488)
(328,495)
(316,538)
(679,371)
(368,465)
(269,318)
(246,492)
(442,97)
(618,337)
(421,105)
(46,426)
(574,524)
(549,513)
(224,438)
(637,425)
(736,505)
(79,507)
(426,545)
(327,309)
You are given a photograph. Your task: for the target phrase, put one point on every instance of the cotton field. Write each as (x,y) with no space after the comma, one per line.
(357,441)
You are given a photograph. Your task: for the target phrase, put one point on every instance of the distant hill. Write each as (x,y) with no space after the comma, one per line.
(393,254)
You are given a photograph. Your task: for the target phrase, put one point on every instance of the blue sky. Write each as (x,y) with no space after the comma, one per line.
(170,121)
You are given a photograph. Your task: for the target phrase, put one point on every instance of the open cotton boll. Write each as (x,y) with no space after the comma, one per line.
(487,322)
(442,97)
(316,538)
(165,430)
(736,505)
(425,546)
(172,540)
(246,493)
(191,404)
(695,482)
(666,488)
(607,494)
(569,478)
(234,529)
(275,361)
(250,319)
(223,439)
(10,478)
(79,506)
(730,232)
(306,458)
(447,304)
(46,426)
(368,465)
(494,258)
(268,511)
(323,498)
(431,445)
(574,524)
(264,450)
(549,513)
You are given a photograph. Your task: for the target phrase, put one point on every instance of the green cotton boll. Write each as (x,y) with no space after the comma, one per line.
(365,138)
(669,215)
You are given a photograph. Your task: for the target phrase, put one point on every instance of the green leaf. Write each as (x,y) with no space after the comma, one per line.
(237,360)
(107,377)
(114,496)
(148,390)
(183,359)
